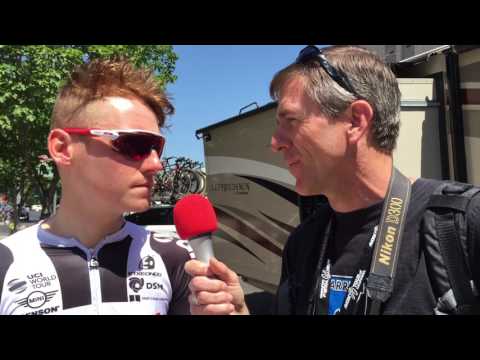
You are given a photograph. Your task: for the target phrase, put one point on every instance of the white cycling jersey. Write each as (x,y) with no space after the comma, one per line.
(133,271)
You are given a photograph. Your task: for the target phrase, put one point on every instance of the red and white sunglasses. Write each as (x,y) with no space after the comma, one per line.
(132,143)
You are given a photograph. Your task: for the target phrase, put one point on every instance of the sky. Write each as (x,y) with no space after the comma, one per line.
(214,82)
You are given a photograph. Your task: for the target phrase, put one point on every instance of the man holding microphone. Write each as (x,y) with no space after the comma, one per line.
(338,120)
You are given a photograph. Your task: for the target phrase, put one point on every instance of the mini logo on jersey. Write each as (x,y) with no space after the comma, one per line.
(147,263)
(37,299)
(136,284)
(17,286)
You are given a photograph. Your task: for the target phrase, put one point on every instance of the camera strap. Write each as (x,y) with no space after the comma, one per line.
(385,257)
(386,238)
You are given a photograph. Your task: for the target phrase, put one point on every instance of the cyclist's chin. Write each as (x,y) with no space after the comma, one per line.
(139,204)
(138,208)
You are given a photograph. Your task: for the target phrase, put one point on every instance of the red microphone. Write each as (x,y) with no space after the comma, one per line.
(195,221)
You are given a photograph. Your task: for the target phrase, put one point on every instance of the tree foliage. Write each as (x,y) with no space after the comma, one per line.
(30,77)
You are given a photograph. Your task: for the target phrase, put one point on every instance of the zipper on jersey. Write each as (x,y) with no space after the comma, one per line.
(94,275)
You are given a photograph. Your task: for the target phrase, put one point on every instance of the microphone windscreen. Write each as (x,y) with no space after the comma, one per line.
(193,215)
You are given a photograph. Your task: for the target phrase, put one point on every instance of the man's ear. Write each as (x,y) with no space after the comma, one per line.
(361,117)
(60,147)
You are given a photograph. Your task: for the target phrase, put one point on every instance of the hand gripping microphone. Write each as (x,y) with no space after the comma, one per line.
(195,221)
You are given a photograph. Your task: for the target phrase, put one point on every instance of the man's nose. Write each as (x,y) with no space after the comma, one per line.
(153,163)
(278,142)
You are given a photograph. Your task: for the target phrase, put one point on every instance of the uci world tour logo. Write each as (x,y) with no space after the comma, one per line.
(17,286)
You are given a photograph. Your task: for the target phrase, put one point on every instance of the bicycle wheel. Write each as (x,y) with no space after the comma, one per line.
(202,181)
(167,189)
(197,181)
(185,182)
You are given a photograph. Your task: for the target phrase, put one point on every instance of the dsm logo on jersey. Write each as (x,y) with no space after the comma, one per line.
(137,284)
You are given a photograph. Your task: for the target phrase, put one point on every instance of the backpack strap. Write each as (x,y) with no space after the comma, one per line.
(448,205)
(473,241)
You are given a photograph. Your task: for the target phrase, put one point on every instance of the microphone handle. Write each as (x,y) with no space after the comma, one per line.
(202,247)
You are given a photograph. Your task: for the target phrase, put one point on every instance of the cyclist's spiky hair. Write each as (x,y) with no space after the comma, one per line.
(102,78)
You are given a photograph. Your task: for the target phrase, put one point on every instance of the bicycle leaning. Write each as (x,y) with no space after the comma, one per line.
(180,176)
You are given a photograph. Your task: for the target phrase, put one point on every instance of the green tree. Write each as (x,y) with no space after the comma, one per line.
(30,77)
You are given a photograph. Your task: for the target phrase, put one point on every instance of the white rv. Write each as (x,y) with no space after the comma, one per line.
(253,193)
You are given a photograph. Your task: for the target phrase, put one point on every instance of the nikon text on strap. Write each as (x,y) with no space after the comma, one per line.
(387,247)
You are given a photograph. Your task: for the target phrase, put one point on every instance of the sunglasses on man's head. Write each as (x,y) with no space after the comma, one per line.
(132,143)
(312,52)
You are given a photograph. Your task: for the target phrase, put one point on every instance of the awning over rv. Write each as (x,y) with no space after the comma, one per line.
(426,54)
(200,132)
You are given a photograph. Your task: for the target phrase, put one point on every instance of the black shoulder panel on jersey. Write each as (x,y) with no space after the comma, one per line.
(6,259)
(72,271)
(175,256)
(113,270)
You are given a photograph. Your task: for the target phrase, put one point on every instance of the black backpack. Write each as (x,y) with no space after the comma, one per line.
(451,242)
(451,238)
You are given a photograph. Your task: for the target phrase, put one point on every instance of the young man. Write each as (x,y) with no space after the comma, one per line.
(6,214)
(337,126)
(6,210)
(86,259)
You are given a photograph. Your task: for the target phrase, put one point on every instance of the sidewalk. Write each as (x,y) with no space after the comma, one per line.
(3,230)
